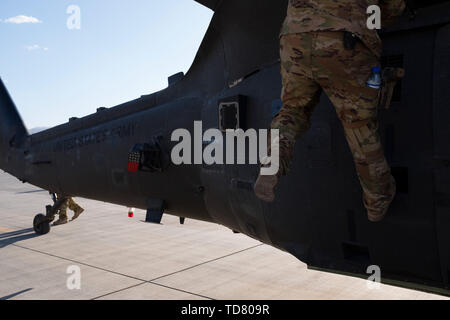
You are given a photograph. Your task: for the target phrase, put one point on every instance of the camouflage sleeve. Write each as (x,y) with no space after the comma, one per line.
(390,10)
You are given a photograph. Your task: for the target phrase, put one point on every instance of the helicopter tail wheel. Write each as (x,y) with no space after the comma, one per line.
(41,224)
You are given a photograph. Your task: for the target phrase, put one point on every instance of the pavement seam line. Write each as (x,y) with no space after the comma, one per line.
(191,267)
(156,284)
(81,263)
(142,280)
(119,290)
(181,290)
(205,262)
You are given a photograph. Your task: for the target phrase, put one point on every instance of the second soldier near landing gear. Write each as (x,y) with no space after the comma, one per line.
(62,212)
(326,47)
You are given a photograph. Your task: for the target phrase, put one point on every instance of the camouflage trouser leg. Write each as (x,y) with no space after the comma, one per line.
(73,205)
(373,171)
(300,94)
(63,211)
(312,62)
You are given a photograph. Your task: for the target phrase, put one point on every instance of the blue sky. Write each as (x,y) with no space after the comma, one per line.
(123,50)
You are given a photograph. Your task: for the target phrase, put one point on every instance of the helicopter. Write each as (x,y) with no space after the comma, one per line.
(122,155)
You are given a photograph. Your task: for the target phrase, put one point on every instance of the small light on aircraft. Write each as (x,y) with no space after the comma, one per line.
(130,212)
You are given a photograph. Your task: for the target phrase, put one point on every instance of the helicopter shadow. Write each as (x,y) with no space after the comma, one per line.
(9,238)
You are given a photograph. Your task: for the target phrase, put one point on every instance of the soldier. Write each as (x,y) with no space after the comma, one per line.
(69,202)
(326,46)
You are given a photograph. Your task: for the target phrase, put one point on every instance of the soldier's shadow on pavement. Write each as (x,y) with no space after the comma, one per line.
(15,236)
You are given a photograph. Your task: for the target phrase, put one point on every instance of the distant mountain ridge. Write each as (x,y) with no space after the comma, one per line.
(37,129)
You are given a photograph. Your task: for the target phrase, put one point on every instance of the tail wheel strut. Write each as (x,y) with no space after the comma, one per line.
(41,222)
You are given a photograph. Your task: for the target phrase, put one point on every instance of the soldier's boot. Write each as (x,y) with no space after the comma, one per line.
(376,212)
(78,211)
(75,208)
(62,220)
(265,187)
(61,210)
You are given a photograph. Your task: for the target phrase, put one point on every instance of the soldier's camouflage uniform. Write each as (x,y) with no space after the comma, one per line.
(72,205)
(314,60)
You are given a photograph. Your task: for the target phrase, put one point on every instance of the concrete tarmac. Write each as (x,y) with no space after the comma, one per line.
(125,258)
